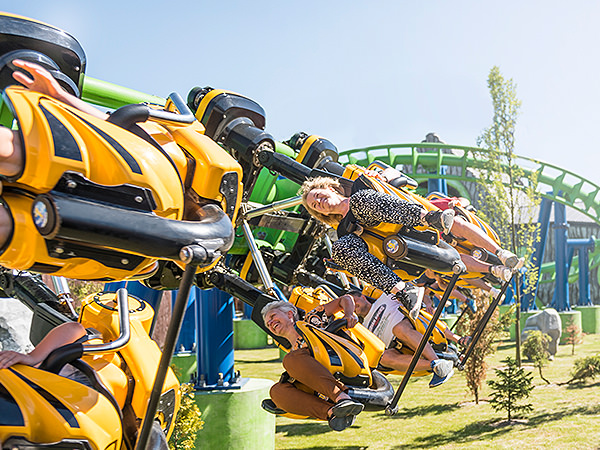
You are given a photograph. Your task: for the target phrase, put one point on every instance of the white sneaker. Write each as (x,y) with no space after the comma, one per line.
(510,260)
(501,272)
(494,292)
(442,367)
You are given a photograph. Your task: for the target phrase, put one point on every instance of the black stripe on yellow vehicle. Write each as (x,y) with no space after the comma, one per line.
(334,357)
(11,413)
(128,157)
(354,356)
(65,144)
(56,403)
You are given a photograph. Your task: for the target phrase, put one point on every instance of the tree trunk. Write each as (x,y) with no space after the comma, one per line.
(542,376)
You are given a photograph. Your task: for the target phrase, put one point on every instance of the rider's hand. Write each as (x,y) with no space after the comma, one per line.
(40,79)
(9,358)
(352,320)
(374,174)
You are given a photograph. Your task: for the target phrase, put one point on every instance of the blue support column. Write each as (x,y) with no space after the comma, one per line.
(214,339)
(247,311)
(438,184)
(583,247)
(560,300)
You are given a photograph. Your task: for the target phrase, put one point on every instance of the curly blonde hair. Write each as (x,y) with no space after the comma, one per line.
(311,184)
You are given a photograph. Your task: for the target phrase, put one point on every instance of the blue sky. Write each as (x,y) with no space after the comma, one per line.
(361,73)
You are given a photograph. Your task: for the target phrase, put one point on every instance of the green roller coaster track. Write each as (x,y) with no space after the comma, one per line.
(576,192)
(554,182)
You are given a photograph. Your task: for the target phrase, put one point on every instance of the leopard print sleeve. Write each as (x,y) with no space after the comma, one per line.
(352,254)
(372,207)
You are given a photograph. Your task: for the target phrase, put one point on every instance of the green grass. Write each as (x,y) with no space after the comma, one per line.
(446,416)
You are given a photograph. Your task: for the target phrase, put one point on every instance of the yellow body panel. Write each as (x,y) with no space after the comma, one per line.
(141,353)
(307,299)
(107,368)
(306,146)
(349,357)
(212,163)
(88,415)
(108,155)
(132,161)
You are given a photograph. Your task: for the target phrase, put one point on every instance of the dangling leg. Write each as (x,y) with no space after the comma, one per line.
(475,235)
(395,360)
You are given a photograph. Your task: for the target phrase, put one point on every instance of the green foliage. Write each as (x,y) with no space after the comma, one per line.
(513,384)
(188,421)
(535,348)
(81,289)
(585,368)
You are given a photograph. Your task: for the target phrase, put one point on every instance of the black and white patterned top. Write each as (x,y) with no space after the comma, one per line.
(370,208)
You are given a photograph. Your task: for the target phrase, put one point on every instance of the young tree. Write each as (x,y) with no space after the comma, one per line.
(507,197)
(476,366)
(513,385)
(574,335)
(535,348)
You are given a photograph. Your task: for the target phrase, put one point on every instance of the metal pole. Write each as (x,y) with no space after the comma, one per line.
(482,324)
(459,318)
(258,260)
(276,206)
(167,353)
(392,407)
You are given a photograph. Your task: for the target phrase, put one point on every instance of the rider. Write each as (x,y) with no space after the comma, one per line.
(383,318)
(323,198)
(63,334)
(340,410)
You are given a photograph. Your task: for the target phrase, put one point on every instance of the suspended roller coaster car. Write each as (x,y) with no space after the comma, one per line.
(103,200)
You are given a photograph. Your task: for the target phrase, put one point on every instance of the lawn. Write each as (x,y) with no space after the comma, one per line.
(446,416)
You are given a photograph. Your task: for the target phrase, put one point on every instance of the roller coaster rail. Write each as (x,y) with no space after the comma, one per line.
(575,191)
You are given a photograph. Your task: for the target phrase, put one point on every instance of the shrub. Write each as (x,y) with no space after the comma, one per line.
(585,368)
(513,385)
(476,366)
(187,422)
(535,348)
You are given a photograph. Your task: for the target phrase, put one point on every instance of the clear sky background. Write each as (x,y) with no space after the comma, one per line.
(361,73)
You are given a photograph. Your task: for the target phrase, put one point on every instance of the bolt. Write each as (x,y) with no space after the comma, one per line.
(139,199)
(71,184)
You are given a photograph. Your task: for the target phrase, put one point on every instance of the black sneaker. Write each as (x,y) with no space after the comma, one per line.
(411,300)
(346,407)
(340,423)
(343,414)
(440,220)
